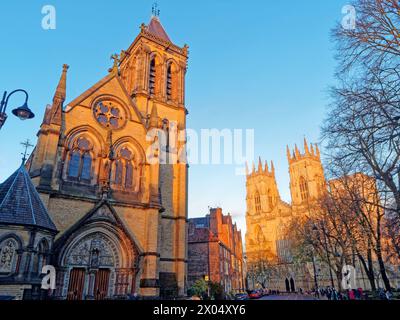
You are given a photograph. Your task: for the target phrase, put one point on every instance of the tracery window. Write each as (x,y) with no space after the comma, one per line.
(124,175)
(109,114)
(304,189)
(80,162)
(257,200)
(270,200)
(8,255)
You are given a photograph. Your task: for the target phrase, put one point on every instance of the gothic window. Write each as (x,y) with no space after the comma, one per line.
(109,114)
(8,255)
(42,256)
(304,189)
(152,76)
(270,200)
(125,170)
(80,162)
(74,162)
(172,82)
(258,202)
(169,82)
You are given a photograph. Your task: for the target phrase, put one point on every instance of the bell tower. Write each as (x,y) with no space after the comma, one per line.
(154,69)
(153,72)
(307,181)
(263,201)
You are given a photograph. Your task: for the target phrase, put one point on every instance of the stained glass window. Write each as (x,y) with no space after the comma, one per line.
(80,164)
(129,175)
(86,166)
(118,172)
(108,114)
(74,164)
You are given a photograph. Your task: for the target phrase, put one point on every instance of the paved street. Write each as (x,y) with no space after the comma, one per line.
(288,297)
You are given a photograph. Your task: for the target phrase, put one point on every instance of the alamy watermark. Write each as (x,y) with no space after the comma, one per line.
(205,147)
(349,19)
(349,277)
(49,20)
(49,280)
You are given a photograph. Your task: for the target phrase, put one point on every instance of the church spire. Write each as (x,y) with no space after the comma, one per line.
(318,152)
(260,168)
(266,167)
(59,98)
(289,156)
(272,167)
(306,149)
(297,152)
(154,119)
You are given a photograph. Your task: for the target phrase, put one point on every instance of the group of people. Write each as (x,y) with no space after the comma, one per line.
(353,294)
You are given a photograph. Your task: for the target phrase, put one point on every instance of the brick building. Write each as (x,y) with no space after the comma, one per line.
(215,251)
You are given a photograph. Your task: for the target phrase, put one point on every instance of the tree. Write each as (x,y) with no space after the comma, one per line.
(362,127)
(199,288)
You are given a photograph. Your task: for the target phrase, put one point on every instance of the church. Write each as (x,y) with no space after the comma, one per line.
(267,214)
(113,223)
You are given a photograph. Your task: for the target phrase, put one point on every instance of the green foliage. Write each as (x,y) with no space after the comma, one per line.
(200,288)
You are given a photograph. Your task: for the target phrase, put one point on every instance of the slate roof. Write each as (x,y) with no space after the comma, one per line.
(20,203)
(155,27)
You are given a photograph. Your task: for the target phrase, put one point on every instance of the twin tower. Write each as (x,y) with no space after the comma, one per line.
(267,214)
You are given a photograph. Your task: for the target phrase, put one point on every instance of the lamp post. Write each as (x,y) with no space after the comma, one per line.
(23,112)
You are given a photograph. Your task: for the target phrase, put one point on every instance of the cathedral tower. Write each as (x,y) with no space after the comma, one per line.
(264,212)
(307,181)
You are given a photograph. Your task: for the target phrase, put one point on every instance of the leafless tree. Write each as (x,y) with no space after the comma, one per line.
(362,127)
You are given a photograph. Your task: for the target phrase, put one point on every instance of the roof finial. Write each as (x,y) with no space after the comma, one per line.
(27,144)
(155,11)
(115,68)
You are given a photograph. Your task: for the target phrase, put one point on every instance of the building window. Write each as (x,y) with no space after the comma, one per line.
(270,200)
(80,162)
(258,202)
(304,189)
(124,176)
(152,76)
(8,256)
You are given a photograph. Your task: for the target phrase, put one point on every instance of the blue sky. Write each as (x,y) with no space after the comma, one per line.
(262,65)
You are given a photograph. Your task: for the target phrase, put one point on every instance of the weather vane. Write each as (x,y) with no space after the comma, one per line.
(27,144)
(155,10)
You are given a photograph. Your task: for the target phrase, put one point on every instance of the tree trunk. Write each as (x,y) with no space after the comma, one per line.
(382,269)
(368,269)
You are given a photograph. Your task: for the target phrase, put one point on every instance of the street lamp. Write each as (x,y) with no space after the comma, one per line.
(23,112)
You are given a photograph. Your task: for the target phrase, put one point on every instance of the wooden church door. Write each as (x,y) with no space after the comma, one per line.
(76,284)
(101,284)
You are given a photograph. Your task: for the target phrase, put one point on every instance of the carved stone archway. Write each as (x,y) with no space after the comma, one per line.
(97,263)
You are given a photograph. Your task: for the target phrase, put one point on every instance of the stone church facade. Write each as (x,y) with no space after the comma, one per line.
(267,214)
(121,216)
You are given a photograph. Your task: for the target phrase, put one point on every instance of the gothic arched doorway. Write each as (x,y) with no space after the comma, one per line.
(292,285)
(97,264)
(287,285)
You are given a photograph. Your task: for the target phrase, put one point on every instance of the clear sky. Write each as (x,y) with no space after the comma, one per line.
(262,65)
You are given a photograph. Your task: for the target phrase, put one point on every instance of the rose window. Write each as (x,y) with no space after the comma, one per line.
(109,115)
